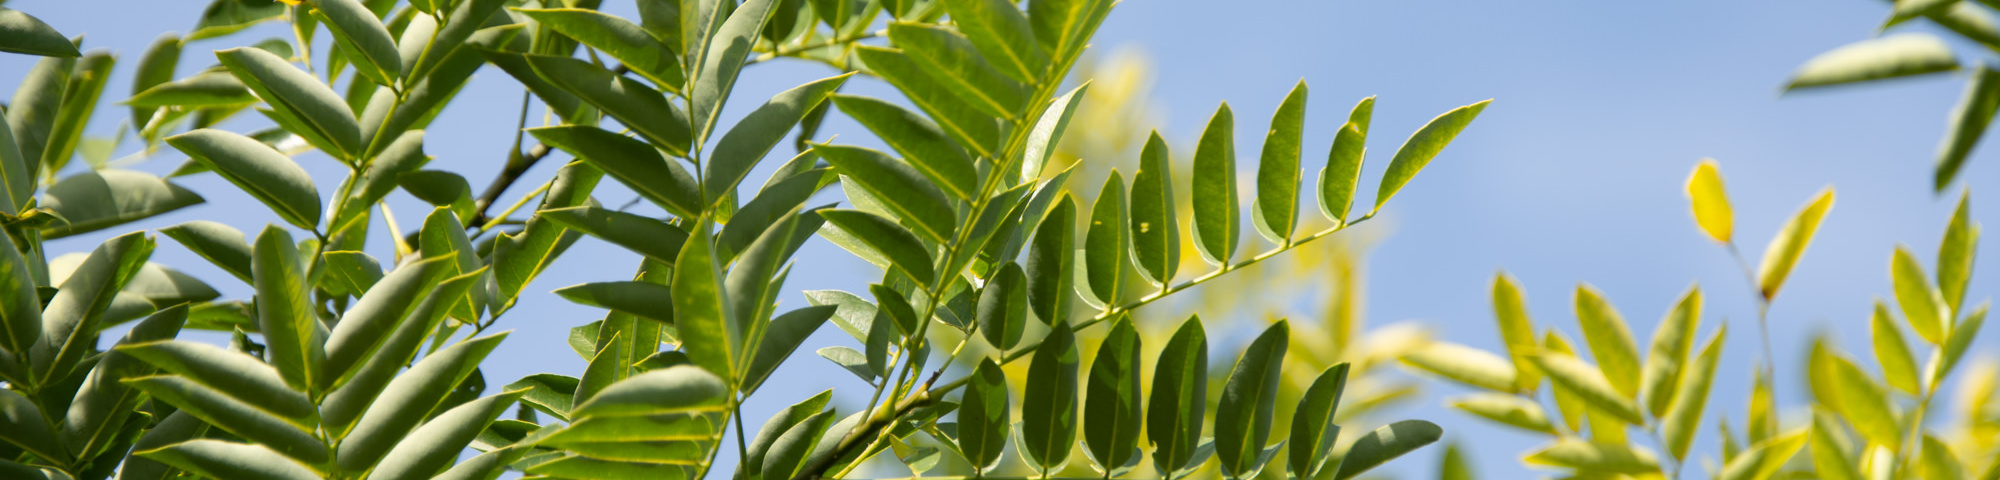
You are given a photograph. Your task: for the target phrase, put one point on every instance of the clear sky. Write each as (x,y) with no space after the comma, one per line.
(1574,174)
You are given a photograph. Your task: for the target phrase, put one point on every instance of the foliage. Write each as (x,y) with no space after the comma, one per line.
(349,365)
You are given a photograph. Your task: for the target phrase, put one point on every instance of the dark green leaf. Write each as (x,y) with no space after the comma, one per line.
(21,312)
(284,309)
(977,132)
(786,333)
(701,307)
(1048,406)
(1003,307)
(726,47)
(950,59)
(218,243)
(205,89)
(1002,33)
(1111,409)
(1106,246)
(234,415)
(440,189)
(632,162)
(220,459)
(71,319)
(1968,122)
(1156,231)
(654,239)
(1052,263)
(1178,399)
(984,416)
(407,400)
(156,66)
(1243,420)
(434,446)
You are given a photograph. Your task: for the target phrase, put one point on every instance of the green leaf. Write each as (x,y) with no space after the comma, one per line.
(1512,410)
(407,400)
(156,66)
(1683,419)
(1178,398)
(16,186)
(21,312)
(1923,305)
(92,201)
(783,337)
(1385,444)
(789,452)
(1002,33)
(205,89)
(897,309)
(983,417)
(71,319)
(633,104)
(858,363)
(1790,243)
(953,61)
(902,189)
(1052,263)
(901,247)
(23,33)
(645,299)
(722,58)
(434,446)
(1313,432)
(651,238)
(1594,457)
(297,98)
(32,113)
(229,373)
(1609,339)
(1865,405)
(378,178)
(1106,246)
(752,289)
(1465,365)
(1874,59)
(258,169)
(1278,172)
(363,41)
(1243,421)
(1423,146)
(1003,307)
(1671,341)
(518,257)
(1156,236)
(440,189)
(1216,217)
(1342,175)
(1898,366)
(752,138)
(977,132)
(632,162)
(346,405)
(220,244)
(621,39)
(1589,384)
(463,24)
(1969,119)
(1111,409)
(237,417)
(701,307)
(924,145)
(677,389)
(79,101)
(1048,406)
(1064,27)
(220,459)
(26,427)
(284,309)
(778,425)
(1955,253)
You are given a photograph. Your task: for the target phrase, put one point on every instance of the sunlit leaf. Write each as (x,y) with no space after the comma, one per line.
(1048,406)
(1278,171)
(1341,177)
(264,172)
(1892,56)
(1216,218)
(1710,203)
(1249,398)
(1313,432)
(23,33)
(1423,146)
(1790,243)
(1385,444)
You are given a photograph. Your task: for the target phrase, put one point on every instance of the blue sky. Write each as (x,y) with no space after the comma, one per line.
(1574,174)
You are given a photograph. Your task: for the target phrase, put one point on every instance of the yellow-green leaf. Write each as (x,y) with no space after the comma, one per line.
(1709,202)
(1876,59)
(1423,146)
(1898,366)
(1923,305)
(1464,364)
(1610,340)
(1786,248)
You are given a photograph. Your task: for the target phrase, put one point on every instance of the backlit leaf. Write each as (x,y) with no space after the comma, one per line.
(1423,146)
(1385,444)
(1216,219)
(1875,59)
(1710,202)
(1790,243)
(1278,172)
(1249,398)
